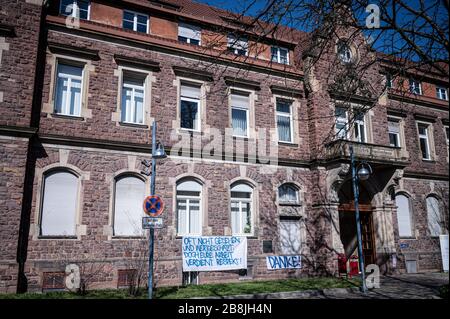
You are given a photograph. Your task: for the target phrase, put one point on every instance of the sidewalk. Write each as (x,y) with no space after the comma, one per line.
(405,286)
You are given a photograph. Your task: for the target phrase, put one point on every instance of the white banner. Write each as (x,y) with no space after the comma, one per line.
(444,251)
(284,262)
(209,253)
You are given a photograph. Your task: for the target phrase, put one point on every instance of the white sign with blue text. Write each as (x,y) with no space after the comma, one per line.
(284,262)
(211,253)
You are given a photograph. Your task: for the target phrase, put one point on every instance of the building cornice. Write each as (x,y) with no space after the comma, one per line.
(422,101)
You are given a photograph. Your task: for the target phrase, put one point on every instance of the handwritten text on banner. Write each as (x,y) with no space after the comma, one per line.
(283,262)
(209,253)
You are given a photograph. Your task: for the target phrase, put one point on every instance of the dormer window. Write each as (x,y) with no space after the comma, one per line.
(189,34)
(135,21)
(280,55)
(75,8)
(238,46)
(344,52)
(415,87)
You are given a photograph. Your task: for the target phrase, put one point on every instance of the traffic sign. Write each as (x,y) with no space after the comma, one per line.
(153,205)
(152,222)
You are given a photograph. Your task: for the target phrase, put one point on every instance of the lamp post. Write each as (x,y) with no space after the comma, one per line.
(157,153)
(362,174)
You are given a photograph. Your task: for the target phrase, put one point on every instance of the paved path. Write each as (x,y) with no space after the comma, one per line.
(405,286)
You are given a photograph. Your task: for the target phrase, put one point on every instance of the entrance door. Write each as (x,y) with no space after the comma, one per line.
(368,242)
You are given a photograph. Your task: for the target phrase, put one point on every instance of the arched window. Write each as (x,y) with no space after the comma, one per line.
(189,207)
(128,197)
(241,209)
(288,194)
(59,204)
(344,52)
(403,216)
(434,216)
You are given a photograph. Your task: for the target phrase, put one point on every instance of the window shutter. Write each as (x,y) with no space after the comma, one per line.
(59,204)
(129,194)
(241,100)
(394,127)
(189,31)
(403,216)
(190,91)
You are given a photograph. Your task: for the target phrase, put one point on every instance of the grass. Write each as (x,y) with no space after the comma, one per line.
(443,292)
(208,290)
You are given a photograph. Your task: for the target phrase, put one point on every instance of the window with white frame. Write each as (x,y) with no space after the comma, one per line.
(404,216)
(288,194)
(341,125)
(190,106)
(415,87)
(59,204)
(237,45)
(360,127)
(189,34)
(394,132)
(189,208)
(69,87)
(240,108)
(441,93)
(284,120)
(129,192)
(132,108)
(135,21)
(280,55)
(434,216)
(290,235)
(424,140)
(241,209)
(75,8)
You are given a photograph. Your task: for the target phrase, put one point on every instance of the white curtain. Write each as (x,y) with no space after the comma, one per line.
(239,121)
(128,213)
(403,216)
(68,90)
(59,204)
(189,31)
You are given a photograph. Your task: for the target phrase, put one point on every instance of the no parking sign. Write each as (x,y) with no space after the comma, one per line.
(153,205)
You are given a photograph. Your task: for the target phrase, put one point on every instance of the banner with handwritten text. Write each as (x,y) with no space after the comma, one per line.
(284,262)
(210,253)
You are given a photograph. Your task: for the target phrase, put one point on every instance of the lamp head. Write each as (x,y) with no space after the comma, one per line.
(363,173)
(159,151)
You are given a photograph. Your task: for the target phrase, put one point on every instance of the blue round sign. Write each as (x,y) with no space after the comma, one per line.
(153,205)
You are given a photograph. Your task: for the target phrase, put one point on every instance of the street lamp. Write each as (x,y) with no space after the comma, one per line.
(157,153)
(364,172)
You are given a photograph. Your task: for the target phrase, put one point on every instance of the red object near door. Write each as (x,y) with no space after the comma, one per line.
(354,266)
(342,264)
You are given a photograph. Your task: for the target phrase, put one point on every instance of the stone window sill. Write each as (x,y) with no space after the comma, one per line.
(69,117)
(134,125)
(58,237)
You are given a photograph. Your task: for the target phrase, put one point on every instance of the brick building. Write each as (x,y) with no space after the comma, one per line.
(267,139)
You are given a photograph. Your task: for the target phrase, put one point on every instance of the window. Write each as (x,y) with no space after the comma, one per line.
(190,106)
(403,216)
(75,8)
(415,87)
(280,55)
(126,277)
(284,121)
(240,104)
(290,236)
(434,216)
(344,52)
(128,196)
(53,281)
(341,126)
(238,46)
(241,209)
(59,206)
(135,21)
(446,128)
(424,141)
(69,86)
(441,93)
(132,100)
(190,278)
(394,132)
(360,127)
(288,194)
(389,81)
(189,34)
(189,208)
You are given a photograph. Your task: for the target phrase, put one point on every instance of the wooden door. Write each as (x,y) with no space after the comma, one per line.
(368,241)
